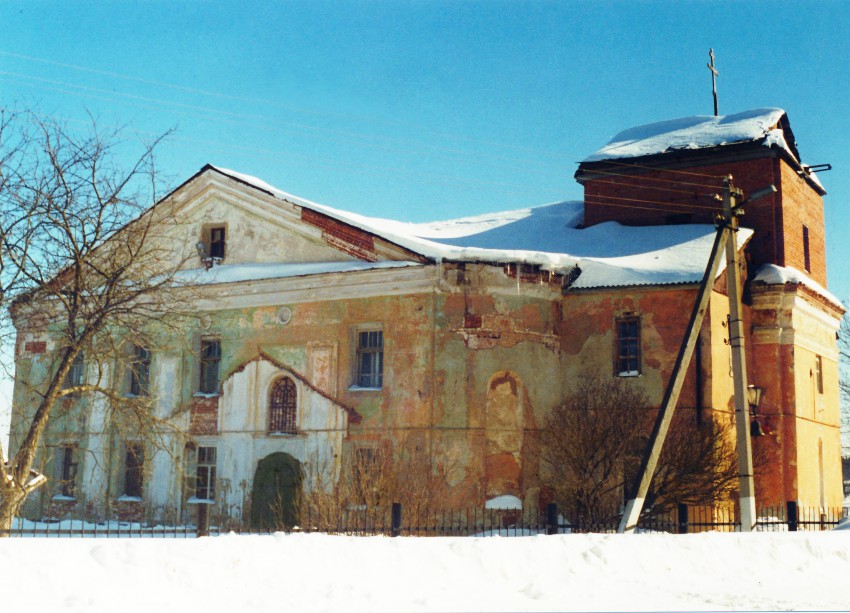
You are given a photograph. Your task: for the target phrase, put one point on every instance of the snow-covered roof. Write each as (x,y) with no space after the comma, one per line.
(697,133)
(232,273)
(608,254)
(771,274)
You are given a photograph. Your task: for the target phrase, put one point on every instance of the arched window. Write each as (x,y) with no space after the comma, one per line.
(283,406)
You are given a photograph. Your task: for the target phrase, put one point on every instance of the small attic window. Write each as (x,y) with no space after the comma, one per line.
(217,242)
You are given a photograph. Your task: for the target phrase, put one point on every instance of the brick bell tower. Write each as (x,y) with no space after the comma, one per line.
(670,173)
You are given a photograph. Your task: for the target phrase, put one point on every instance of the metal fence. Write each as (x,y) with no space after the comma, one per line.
(396,521)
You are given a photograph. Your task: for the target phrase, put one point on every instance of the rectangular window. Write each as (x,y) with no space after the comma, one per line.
(140,371)
(134,463)
(210,359)
(628,347)
(807,260)
(76,375)
(205,473)
(217,243)
(819,374)
(66,470)
(370,359)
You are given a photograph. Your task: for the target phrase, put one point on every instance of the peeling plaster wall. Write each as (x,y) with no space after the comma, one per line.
(475,355)
(790,329)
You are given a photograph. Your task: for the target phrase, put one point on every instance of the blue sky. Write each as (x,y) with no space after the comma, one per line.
(426,110)
(430,110)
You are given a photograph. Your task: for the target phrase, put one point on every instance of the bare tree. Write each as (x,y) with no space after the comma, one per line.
(592,443)
(374,479)
(81,263)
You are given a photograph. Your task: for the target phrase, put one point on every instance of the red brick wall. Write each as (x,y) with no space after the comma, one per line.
(654,196)
(806,208)
(346,238)
(203,416)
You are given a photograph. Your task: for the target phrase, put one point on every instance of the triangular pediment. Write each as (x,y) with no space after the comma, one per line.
(262,226)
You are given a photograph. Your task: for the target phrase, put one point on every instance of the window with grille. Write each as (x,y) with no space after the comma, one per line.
(140,371)
(134,463)
(66,473)
(210,359)
(628,347)
(283,407)
(370,359)
(205,473)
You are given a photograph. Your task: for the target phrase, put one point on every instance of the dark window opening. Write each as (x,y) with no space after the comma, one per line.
(217,243)
(76,374)
(807,261)
(140,371)
(134,463)
(628,346)
(210,360)
(205,473)
(67,473)
(283,407)
(819,373)
(370,359)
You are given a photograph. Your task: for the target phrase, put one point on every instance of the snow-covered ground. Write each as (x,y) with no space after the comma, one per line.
(315,572)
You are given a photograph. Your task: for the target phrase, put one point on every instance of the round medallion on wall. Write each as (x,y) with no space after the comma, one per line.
(283,315)
(205,321)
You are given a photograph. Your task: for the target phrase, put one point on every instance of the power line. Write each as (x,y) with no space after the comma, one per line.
(681,172)
(658,202)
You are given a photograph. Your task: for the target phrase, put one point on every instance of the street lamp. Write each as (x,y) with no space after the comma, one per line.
(754,399)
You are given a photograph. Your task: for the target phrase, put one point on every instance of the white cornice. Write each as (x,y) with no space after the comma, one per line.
(414,279)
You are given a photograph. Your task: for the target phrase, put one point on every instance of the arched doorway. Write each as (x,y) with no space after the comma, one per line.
(276,492)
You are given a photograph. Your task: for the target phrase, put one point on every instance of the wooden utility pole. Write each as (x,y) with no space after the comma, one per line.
(746,487)
(714,75)
(677,378)
(726,238)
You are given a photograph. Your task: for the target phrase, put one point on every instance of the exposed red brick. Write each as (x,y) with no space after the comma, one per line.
(659,196)
(203,416)
(471,320)
(36,346)
(341,236)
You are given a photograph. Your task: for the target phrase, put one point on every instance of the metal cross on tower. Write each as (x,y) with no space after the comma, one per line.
(714,75)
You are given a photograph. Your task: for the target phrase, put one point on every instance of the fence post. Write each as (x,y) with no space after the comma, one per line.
(396,519)
(551,518)
(203,526)
(682,513)
(792,515)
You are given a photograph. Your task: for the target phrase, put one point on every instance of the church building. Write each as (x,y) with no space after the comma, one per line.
(323,338)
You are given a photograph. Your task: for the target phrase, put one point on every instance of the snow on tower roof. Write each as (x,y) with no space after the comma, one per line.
(701,131)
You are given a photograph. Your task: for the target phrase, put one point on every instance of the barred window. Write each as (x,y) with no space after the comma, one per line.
(283,407)
(140,371)
(210,359)
(205,473)
(370,359)
(628,347)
